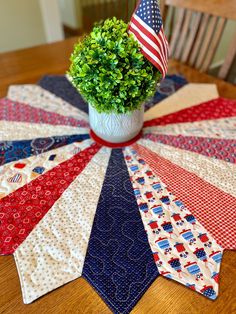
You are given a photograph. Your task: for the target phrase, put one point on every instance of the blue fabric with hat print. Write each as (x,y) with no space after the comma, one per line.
(16,150)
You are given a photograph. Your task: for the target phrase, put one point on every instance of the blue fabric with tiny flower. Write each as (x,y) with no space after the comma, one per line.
(119,263)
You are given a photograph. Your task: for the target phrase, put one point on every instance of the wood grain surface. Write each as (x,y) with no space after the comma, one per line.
(224,8)
(164,296)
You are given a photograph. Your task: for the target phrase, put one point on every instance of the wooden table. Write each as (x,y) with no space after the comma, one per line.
(164,296)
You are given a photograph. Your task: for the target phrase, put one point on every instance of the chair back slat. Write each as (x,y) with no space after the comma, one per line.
(224,70)
(193,27)
(214,44)
(223,8)
(199,39)
(194,30)
(206,41)
(97,10)
(127,11)
(169,23)
(178,25)
(192,35)
(183,34)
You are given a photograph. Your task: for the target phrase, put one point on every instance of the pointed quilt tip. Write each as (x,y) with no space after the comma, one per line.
(209,292)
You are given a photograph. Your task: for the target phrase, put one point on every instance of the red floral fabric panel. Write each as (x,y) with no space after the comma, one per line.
(15,111)
(213,109)
(21,210)
(222,149)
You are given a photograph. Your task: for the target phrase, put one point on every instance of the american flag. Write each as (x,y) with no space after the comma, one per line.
(146,25)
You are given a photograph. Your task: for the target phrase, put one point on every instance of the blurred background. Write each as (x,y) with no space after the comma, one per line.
(27,23)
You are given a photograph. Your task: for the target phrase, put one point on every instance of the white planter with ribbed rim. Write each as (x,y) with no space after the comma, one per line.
(116,128)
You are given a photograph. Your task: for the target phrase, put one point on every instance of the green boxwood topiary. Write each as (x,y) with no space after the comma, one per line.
(109,71)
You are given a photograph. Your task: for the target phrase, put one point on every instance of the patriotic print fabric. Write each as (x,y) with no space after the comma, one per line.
(181,247)
(120,218)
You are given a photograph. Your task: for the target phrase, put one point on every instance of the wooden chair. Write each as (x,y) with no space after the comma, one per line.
(96,10)
(195,29)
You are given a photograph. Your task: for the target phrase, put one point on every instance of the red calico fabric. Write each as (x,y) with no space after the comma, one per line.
(22,210)
(215,209)
(16,111)
(222,149)
(213,109)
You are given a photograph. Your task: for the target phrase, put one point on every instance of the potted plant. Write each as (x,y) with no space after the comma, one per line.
(112,75)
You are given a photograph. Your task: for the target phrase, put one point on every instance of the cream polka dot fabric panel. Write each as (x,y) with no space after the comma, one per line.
(24,130)
(54,252)
(217,172)
(27,174)
(38,97)
(187,96)
(220,128)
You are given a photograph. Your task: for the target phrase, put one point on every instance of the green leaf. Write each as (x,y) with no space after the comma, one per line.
(109,71)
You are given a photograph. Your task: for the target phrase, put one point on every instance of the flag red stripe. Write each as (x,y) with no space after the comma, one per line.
(153,62)
(148,46)
(148,33)
(144,42)
(158,39)
(159,65)
(151,37)
(166,43)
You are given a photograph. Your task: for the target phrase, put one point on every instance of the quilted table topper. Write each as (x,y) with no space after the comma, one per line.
(165,205)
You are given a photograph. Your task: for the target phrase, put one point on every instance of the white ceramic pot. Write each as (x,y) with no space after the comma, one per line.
(116,128)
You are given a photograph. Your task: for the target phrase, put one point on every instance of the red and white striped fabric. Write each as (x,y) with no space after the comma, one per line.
(147,27)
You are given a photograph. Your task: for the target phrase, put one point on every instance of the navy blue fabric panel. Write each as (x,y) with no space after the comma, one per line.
(168,86)
(61,87)
(16,150)
(119,263)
